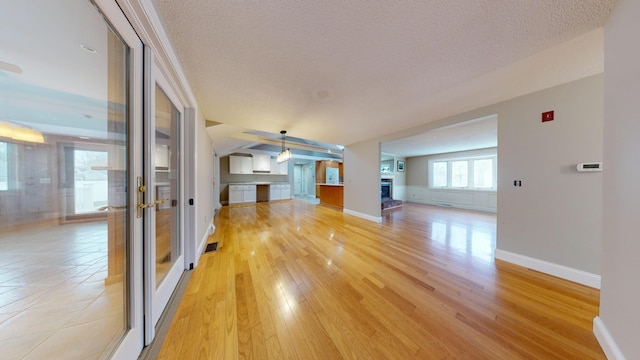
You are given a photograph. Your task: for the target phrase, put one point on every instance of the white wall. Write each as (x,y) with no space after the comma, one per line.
(556,216)
(362,180)
(619,321)
(418,190)
(204,199)
(399,189)
(553,222)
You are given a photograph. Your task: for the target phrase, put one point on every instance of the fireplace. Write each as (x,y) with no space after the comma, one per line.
(385,188)
(386,195)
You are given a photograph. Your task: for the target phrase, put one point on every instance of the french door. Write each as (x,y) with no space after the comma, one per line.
(160,192)
(91,241)
(124,165)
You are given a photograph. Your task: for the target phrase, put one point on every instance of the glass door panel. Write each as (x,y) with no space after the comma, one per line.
(67,255)
(166,185)
(163,196)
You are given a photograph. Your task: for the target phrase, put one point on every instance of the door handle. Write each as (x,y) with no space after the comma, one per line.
(141,205)
(161,201)
(146,206)
(110,207)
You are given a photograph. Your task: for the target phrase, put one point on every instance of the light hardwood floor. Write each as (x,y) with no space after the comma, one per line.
(294,280)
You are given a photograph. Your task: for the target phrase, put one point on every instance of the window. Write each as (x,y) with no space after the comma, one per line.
(4,166)
(440,173)
(91,187)
(467,173)
(459,172)
(483,174)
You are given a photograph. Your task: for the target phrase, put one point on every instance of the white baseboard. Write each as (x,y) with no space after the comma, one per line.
(455,206)
(362,216)
(561,271)
(607,343)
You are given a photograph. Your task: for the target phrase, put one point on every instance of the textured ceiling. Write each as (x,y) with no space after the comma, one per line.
(346,71)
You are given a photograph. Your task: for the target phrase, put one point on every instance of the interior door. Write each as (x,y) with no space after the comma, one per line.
(297,180)
(305,177)
(162,194)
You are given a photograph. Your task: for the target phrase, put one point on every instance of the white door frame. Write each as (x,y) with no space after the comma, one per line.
(133,341)
(156,298)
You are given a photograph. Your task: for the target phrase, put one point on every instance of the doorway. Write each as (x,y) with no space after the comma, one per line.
(304,179)
(297,180)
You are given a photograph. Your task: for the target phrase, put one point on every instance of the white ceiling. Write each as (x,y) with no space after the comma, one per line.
(50,82)
(341,72)
(42,38)
(332,71)
(469,135)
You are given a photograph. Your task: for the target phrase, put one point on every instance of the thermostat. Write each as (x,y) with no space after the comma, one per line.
(592,166)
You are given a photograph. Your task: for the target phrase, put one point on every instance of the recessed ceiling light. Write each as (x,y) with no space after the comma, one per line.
(84,137)
(88,48)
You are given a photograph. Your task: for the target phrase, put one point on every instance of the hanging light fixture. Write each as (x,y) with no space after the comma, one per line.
(20,133)
(285,154)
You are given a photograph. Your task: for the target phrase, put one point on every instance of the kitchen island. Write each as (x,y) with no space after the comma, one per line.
(331,194)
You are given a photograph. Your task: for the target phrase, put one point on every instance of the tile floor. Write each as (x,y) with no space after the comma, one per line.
(308,198)
(54,303)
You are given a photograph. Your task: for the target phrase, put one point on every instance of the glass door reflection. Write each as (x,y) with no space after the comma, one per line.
(166,171)
(64,144)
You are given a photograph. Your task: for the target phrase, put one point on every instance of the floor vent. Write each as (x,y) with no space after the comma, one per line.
(211,247)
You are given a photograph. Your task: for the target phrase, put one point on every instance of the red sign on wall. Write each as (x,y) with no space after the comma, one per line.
(547,116)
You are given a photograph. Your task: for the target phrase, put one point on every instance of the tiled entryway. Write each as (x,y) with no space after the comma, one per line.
(54,302)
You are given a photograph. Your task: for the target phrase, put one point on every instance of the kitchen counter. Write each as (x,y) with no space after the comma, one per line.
(331,194)
(258,191)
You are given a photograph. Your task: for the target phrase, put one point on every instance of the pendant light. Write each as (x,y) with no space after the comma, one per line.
(285,154)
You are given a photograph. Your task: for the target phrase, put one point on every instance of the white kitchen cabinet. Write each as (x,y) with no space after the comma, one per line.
(163,193)
(274,192)
(249,193)
(279,169)
(235,194)
(162,156)
(279,192)
(285,192)
(283,168)
(240,165)
(261,162)
(239,194)
(274,166)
